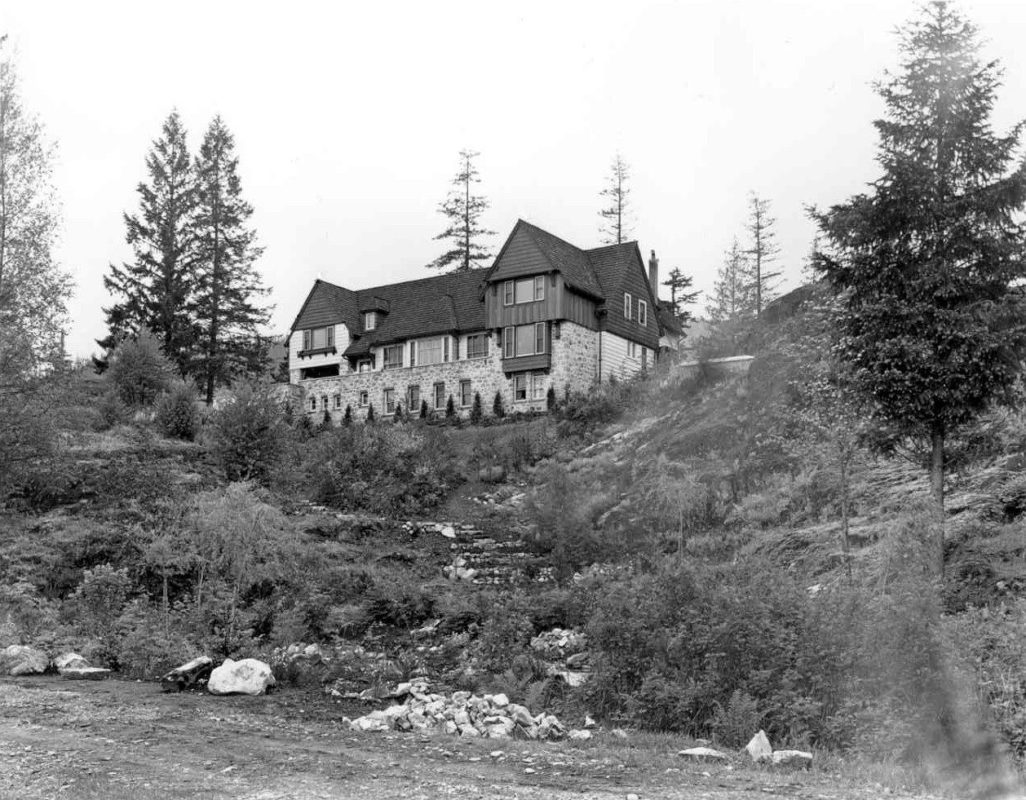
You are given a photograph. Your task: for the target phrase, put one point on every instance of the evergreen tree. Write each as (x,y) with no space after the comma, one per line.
(476,412)
(463,210)
(227,284)
(550,399)
(929,264)
(732,296)
(424,412)
(616,216)
(762,252)
(450,408)
(156,289)
(370,413)
(397,416)
(680,297)
(347,417)
(498,408)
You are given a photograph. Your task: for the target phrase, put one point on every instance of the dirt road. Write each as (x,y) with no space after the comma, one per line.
(118,740)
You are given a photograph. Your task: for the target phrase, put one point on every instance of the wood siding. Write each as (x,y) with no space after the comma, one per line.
(579,309)
(634,282)
(520,257)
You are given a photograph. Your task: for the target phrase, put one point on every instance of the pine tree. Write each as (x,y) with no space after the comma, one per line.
(347,417)
(424,412)
(498,407)
(616,216)
(156,289)
(732,296)
(450,408)
(397,416)
(370,413)
(227,283)
(476,412)
(762,252)
(463,210)
(680,297)
(928,265)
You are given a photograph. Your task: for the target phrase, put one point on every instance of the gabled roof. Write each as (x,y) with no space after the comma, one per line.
(425,307)
(559,256)
(326,304)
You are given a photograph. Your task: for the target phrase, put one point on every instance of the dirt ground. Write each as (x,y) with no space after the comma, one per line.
(118,739)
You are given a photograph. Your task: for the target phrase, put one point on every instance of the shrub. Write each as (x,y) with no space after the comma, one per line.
(450,408)
(249,432)
(112,410)
(476,413)
(398,417)
(550,399)
(95,607)
(139,371)
(498,408)
(424,413)
(370,413)
(347,417)
(176,411)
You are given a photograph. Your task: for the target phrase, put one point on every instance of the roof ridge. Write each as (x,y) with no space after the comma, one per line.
(443,276)
(552,235)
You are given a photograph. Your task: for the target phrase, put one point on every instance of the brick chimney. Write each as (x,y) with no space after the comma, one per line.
(653,274)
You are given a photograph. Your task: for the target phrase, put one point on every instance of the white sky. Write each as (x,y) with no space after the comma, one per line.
(348,119)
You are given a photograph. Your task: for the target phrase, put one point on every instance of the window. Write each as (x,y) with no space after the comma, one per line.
(632,350)
(627,305)
(644,357)
(520,387)
(370,320)
(433,351)
(364,399)
(389,401)
(318,338)
(523,340)
(313,403)
(439,395)
(477,345)
(324,402)
(364,365)
(642,312)
(537,385)
(466,398)
(413,399)
(526,290)
(393,358)
(338,401)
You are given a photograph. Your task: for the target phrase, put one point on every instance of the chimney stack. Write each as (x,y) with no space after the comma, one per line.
(653,275)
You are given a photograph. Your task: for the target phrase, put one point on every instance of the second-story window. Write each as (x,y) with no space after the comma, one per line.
(370,320)
(642,313)
(393,357)
(627,306)
(477,345)
(526,290)
(523,340)
(432,351)
(318,338)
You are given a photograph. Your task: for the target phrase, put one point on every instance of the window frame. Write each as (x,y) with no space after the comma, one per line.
(438,393)
(511,340)
(363,399)
(388,397)
(465,386)
(413,397)
(338,401)
(642,313)
(370,320)
(392,348)
(521,377)
(538,388)
(508,293)
(443,350)
(539,288)
(628,301)
(469,354)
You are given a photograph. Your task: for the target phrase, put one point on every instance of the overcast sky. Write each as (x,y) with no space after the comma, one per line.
(348,119)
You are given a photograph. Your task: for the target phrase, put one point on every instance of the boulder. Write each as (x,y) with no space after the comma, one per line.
(702,754)
(248,676)
(69,661)
(759,748)
(792,759)
(375,721)
(21,659)
(187,675)
(84,673)
(579,735)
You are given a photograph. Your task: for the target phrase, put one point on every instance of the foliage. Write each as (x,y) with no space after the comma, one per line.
(476,412)
(679,284)
(927,264)
(450,408)
(112,410)
(732,294)
(498,407)
(249,432)
(370,413)
(463,210)
(762,251)
(155,289)
(616,216)
(347,417)
(97,604)
(139,371)
(227,285)
(176,412)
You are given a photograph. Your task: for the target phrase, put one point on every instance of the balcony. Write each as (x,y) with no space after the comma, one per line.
(527,363)
(317,351)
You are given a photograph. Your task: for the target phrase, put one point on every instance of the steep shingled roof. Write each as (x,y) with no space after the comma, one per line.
(570,261)
(428,306)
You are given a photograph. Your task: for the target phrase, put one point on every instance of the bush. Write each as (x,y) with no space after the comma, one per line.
(112,410)
(450,408)
(95,607)
(476,413)
(249,433)
(347,417)
(139,371)
(498,407)
(176,411)
(370,413)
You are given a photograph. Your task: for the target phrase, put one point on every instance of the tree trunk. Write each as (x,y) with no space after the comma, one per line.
(845,543)
(937,490)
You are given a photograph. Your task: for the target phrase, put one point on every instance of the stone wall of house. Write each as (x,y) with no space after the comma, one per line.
(574,363)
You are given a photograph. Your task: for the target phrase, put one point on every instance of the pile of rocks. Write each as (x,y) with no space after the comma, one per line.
(761,752)
(460,714)
(565,650)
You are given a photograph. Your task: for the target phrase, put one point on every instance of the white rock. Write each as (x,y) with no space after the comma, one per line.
(84,673)
(759,748)
(702,754)
(792,759)
(21,659)
(469,731)
(376,721)
(448,531)
(589,722)
(580,735)
(500,701)
(248,676)
(69,661)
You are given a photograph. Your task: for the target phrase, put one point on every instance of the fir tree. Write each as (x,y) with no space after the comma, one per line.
(498,408)
(424,412)
(928,265)
(732,298)
(762,252)
(227,285)
(463,210)
(155,289)
(680,297)
(450,408)
(397,416)
(476,412)
(347,417)
(550,399)
(370,413)
(616,216)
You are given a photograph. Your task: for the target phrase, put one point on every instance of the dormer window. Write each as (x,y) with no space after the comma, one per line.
(319,338)
(627,302)
(527,290)
(370,320)
(642,313)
